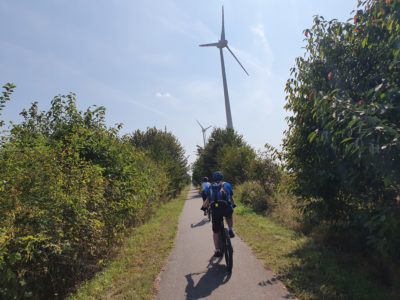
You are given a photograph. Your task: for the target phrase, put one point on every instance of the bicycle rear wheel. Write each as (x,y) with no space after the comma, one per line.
(222,243)
(228,252)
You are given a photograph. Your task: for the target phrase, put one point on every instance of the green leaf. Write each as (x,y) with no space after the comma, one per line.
(364,42)
(353,122)
(346,140)
(312,136)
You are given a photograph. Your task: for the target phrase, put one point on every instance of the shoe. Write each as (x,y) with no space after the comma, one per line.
(205,213)
(231,233)
(217,253)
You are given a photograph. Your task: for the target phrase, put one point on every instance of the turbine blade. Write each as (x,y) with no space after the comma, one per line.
(209,45)
(237,60)
(207,128)
(223,26)
(200,125)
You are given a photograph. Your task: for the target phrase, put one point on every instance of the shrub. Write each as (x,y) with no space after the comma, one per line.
(265,170)
(53,228)
(285,211)
(69,187)
(253,195)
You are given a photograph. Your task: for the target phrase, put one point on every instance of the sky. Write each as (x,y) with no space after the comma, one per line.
(141,60)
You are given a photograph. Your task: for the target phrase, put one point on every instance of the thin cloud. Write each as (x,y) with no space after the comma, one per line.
(259,31)
(163,95)
(100,90)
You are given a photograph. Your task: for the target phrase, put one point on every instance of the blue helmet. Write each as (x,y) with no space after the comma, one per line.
(217,176)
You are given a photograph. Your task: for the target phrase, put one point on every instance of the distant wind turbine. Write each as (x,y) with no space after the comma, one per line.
(223,43)
(204,132)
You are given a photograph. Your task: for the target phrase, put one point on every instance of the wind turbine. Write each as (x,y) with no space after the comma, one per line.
(204,132)
(223,43)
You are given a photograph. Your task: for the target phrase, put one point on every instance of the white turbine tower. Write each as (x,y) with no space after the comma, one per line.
(223,43)
(204,132)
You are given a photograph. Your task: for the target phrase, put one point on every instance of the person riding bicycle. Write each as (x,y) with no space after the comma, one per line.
(205,186)
(220,198)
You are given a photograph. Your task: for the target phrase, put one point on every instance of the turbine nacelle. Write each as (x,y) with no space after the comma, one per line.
(222,44)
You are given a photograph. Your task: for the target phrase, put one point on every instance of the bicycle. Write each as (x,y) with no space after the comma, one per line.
(225,243)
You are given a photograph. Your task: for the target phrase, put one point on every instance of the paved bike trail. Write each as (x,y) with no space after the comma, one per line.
(192,273)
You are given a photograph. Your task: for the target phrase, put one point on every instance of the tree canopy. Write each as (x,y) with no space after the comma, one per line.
(343,144)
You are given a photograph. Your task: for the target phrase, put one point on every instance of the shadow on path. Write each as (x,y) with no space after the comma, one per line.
(201,223)
(194,196)
(215,276)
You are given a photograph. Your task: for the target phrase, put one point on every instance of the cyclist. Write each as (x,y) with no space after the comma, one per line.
(220,190)
(205,186)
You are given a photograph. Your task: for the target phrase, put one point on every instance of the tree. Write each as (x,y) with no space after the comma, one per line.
(5,97)
(221,144)
(236,162)
(164,148)
(343,145)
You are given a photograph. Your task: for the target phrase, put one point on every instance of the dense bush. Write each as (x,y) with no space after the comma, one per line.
(279,206)
(68,187)
(342,146)
(265,170)
(253,195)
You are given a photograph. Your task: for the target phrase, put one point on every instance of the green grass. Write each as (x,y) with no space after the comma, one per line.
(131,275)
(309,270)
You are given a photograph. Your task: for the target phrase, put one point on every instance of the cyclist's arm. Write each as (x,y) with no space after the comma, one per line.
(230,193)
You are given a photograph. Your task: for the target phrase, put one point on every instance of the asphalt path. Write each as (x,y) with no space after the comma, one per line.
(192,273)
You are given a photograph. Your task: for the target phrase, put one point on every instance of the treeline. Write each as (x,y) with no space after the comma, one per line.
(69,189)
(343,143)
(255,175)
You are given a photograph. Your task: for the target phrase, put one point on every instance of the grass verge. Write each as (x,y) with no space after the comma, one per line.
(310,271)
(132,273)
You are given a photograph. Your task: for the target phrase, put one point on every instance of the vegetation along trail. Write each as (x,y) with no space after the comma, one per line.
(191,273)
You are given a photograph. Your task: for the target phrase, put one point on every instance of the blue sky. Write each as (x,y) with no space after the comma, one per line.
(140,59)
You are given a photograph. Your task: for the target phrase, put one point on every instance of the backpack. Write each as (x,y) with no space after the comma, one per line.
(217,192)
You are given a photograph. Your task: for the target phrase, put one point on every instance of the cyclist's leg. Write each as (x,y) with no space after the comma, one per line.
(204,206)
(229,220)
(204,197)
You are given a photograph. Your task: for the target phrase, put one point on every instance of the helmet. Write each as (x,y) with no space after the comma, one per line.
(205,179)
(217,176)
